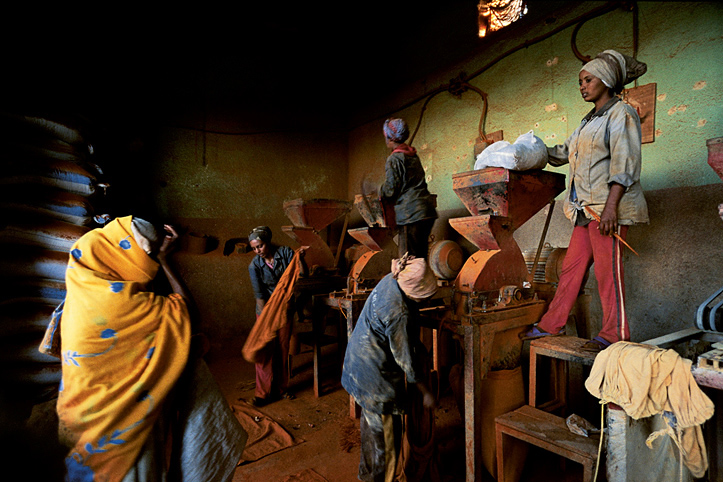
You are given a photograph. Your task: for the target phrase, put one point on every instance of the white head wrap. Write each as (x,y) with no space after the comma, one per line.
(614,69)
(145,234)
(414,276)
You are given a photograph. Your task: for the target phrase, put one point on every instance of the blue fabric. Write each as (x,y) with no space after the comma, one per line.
(208,438)
(374,436)
(396,130)
(265,279)
(406,187)
(380,351)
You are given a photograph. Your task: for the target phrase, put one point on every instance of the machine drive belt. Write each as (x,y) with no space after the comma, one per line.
(709,315)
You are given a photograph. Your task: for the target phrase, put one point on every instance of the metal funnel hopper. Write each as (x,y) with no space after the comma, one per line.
(374,237)
(515,195)
(485,232)
(374,212)
(318,253)
(315,213)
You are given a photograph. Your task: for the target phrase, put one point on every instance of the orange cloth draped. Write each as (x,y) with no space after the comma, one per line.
(123,349)
(274,315)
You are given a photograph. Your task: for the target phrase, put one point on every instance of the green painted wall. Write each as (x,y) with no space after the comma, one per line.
(223,183)
(536,88)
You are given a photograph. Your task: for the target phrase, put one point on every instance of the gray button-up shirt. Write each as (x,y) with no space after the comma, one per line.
(604,149)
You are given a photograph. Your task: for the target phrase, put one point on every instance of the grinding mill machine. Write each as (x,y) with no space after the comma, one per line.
(378,237)
(309,218)
(494,299)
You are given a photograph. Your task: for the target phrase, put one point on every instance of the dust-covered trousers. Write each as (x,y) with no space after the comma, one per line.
(381,441)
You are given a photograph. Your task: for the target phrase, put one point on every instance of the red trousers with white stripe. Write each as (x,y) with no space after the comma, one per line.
(588,246)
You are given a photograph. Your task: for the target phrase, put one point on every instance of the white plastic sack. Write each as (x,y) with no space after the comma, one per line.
(528,152)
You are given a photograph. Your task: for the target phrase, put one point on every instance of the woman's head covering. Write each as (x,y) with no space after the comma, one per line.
(615,69)
(262,233)
(414,276)
(396,130)
(145,234)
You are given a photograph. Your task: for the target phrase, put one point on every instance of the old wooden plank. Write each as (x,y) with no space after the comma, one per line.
(548,431)
(564,348)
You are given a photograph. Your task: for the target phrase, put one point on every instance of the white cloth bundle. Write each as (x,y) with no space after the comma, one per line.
(527,152)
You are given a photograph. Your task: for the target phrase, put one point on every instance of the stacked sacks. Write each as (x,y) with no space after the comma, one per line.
(47,187)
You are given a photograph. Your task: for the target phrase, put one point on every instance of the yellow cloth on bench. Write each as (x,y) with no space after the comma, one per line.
(645,380)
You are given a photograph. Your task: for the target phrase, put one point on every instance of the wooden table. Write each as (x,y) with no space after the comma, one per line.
(478,331)
(560,350)
(548,432)
(350,306)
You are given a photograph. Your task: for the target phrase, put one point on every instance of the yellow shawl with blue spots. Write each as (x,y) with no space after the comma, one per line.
(123,348)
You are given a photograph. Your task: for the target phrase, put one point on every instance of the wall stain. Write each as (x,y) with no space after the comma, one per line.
(677,108)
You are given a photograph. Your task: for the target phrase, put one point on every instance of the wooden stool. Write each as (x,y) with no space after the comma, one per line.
(560,349)
(546,431)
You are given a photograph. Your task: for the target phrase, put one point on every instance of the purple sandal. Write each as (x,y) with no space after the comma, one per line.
(596,345)
(536,333)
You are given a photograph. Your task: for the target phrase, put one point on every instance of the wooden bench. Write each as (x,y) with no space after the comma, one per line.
(548,432)
(560,350)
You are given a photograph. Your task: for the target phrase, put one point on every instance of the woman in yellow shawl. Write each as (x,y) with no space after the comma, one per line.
(123,349)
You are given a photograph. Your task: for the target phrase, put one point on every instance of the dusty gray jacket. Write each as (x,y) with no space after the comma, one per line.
(406,187)
(604,149)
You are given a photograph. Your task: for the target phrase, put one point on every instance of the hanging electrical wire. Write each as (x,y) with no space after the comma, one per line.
(461,83)
(456,87)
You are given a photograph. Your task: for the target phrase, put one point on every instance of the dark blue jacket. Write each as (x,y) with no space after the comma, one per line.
(405,185)
(263,278)
(380,351)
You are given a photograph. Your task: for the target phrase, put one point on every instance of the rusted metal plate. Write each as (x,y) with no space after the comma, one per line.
(445,259)
(517,195)
(374,237)
(477,231)
(715,155)
(315,213)
(371,266)
(489,270)
(371,209)
(642,99)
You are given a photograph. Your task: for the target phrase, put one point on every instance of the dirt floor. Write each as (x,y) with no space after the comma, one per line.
(329,447)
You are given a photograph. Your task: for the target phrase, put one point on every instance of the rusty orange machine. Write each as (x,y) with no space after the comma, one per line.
(493,297)
(309,218)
